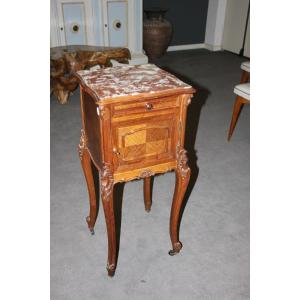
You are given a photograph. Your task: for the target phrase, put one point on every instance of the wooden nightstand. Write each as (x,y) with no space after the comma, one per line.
(133,120)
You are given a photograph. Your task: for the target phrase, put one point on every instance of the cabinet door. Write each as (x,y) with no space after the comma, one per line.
(144,142)
(75,20)
(116,25)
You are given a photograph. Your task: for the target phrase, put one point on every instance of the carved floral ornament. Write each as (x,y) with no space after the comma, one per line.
(146,173)
(82,144)
(182,163)
(106,181)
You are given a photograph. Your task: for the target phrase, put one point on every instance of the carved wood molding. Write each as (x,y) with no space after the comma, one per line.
(82,144)
(145,173)
(179,130)
(106,181)
(182,160)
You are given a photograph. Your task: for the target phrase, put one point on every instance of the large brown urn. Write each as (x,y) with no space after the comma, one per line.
(157,33)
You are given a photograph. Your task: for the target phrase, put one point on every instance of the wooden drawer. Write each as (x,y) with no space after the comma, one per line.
(144,142)
(145,106)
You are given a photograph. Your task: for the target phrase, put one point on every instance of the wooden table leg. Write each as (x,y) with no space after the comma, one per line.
(147,193)
(239,103)
(183,173)
(86,164)
(107,186)
(245,77)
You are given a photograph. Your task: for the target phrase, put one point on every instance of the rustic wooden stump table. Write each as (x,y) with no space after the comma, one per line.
(66,60)
(133,120)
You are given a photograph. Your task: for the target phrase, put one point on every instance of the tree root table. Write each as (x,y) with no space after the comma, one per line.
(66,60)
(133,120)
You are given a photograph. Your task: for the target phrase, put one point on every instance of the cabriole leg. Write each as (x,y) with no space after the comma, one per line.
(107,185)
(86,164)
(235,114)
(183,173)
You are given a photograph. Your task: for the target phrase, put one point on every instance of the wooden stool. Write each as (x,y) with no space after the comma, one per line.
(133,120)
(243,97)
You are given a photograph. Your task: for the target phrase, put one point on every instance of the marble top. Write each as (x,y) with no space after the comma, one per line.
(119,81)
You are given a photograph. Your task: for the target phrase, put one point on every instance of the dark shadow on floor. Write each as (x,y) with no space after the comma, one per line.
(192,121)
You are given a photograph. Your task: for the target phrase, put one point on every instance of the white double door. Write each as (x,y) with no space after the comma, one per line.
(90,22)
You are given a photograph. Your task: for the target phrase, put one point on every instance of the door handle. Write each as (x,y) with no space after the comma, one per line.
(117,24)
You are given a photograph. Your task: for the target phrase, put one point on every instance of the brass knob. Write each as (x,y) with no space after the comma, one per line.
(149,106)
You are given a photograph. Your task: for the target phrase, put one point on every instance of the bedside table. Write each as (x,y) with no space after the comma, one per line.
(133,120)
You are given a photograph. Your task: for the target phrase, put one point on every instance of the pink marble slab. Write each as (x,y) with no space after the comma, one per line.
(119,81)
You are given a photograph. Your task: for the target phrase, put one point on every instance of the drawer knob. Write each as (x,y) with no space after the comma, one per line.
(149,106)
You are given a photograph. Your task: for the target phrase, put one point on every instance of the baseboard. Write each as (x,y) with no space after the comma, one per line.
(213,47)
(141,58)
(186,47)
(194,46)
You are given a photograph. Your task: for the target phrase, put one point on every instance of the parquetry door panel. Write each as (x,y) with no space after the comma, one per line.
(143,141)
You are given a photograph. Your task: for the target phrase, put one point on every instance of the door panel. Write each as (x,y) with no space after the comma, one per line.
(117,23)
(74,24)
(144,141)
